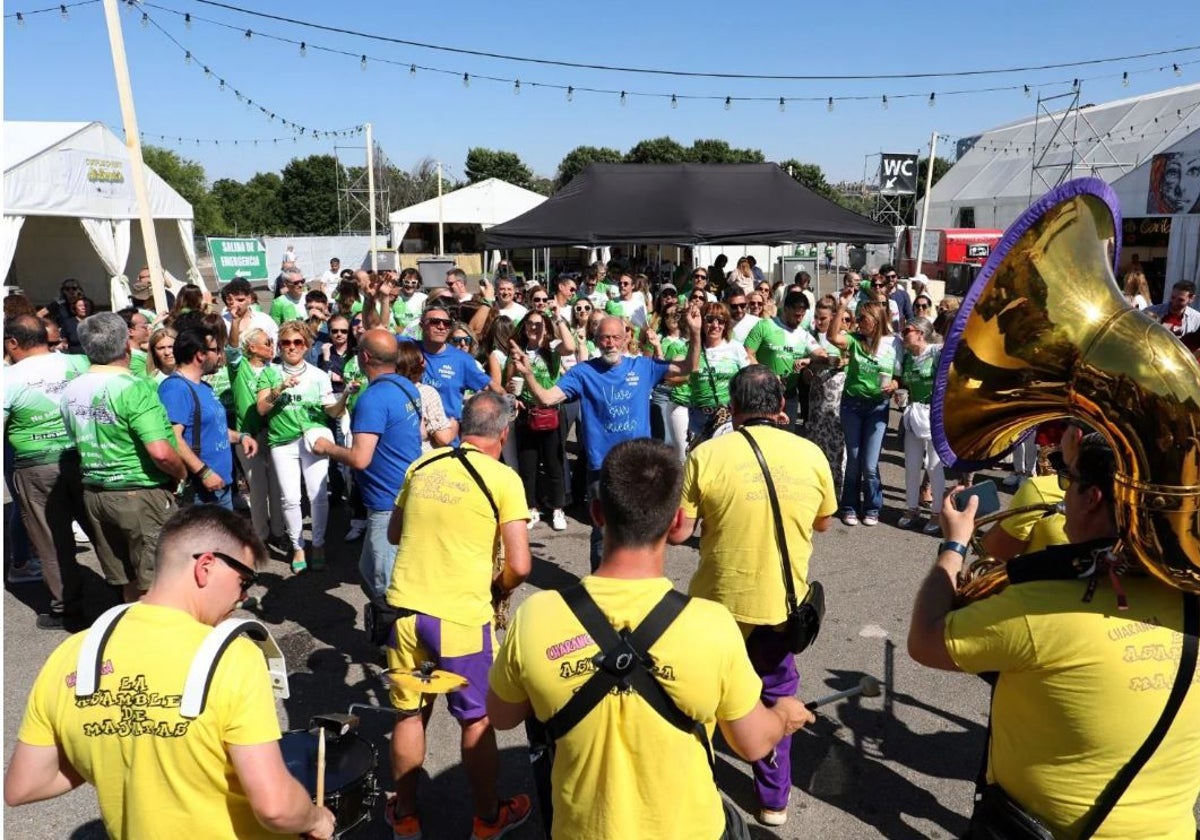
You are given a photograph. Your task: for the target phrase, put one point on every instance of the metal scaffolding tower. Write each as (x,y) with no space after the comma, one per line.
(354,194)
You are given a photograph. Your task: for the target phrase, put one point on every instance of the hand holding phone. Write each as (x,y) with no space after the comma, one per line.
(985,491)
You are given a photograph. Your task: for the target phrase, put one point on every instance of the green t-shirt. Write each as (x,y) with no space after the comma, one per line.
(221,383)
(137,362)
(864,369)
(300,407)
(777,347)
(545,373)
(353,373)
(33,422)
(283,308)
(717,366)
(917,373)
(245,398)
(111,415)
(404,315)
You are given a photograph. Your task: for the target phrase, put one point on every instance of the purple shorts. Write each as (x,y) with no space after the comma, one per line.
(457,648)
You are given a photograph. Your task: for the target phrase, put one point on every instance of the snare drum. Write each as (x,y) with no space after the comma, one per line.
(349,773)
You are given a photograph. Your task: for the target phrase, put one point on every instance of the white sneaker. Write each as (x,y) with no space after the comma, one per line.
(358,527)
(535,516)
(80,534)
(559,521)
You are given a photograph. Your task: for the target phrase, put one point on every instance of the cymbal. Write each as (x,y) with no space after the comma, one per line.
(428,682)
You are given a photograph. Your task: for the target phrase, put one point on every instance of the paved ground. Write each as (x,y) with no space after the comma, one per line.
(897,767)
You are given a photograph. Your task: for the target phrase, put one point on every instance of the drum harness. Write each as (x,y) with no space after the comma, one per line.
(204,663)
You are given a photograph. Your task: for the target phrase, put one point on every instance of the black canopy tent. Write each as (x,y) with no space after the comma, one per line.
(685,204)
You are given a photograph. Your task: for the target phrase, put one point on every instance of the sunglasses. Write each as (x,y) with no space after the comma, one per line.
(444,323)
(581,310)
(291,342)
(698,298)
(740,305)
(462,339)
(540,299)
(754,304)
(339,332)
(1065,477)
(699,276)
(891,276)
(249,576)
(920,306)
(879,285)
(714,319)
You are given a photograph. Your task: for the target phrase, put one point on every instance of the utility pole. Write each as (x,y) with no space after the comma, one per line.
(925,204)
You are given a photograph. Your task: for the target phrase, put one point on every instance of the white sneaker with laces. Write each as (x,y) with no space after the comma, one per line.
(535,516)
(559,520)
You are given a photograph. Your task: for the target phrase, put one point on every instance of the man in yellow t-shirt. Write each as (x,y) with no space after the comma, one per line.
(156,773)
(624,770)
(1082,681)
(448,530)
(1026,533)
(740,561)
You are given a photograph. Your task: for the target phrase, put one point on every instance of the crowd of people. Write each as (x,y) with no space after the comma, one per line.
(442,417)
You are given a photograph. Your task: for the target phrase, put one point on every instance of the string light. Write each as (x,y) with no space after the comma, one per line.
(145,21)
(1028,92)
(1125,79)
(570,94)
(728,103)
(362,64)
(829,105)
(623,99)
(187,20)
(1178,72)
(674,102)
(517,87)
(303,49)
(412,71)
(885,102)
(782,104)
(207,72)
(187,58)
(249,34)
(65,15)
(932,99)
(221,85)
(466,80)
(20,20)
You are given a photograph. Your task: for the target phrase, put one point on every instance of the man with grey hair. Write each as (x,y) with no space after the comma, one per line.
(724,485)
(455,508)
(127,454)
(289,305)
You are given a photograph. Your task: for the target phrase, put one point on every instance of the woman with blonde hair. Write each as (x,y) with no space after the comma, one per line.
(160,354)
(720,360)
(1137,290)
(295,398)
(871,367)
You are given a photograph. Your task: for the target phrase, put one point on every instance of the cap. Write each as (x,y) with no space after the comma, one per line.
(140,289)
(667,287)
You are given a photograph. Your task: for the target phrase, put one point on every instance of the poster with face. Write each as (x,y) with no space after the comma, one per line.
(1174,183)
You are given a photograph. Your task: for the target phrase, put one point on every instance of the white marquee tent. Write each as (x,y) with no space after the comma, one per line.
(70,211)
(486,203)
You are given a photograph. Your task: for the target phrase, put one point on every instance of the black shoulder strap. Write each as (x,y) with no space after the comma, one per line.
(789,586)
(1183,681)
(459,453)
(624,663)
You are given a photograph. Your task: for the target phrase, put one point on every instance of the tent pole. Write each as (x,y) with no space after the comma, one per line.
(371,197)
(116,42)
(925,203)
(441,239)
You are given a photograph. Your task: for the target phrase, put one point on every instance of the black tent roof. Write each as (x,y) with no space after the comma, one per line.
(685,204)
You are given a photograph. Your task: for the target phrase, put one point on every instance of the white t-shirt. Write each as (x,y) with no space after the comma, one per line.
(514,311)
(633,309)
(259,320)
(327,282)
(742,328)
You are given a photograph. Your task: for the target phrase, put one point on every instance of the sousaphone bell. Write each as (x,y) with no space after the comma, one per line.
(1045,333)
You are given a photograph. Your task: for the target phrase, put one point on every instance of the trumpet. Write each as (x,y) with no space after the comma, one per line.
(985,575)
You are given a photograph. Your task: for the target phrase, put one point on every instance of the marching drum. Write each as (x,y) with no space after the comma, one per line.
(350,762)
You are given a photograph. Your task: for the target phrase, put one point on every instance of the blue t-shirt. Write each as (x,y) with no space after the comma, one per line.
(180,395)
(615,401)
(393,413)
(452,371)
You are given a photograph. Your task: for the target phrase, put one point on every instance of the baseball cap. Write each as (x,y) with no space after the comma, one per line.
(667,287)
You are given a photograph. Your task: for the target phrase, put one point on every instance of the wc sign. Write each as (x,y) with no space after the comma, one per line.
(898,174)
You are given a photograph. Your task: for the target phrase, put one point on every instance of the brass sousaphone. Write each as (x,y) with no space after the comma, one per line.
(1045,333)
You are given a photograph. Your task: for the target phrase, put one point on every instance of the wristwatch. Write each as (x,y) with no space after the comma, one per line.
(951,545)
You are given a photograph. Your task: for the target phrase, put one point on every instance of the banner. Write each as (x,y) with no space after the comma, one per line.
(898,174)
(96,176)
(238,258)
(1174,183)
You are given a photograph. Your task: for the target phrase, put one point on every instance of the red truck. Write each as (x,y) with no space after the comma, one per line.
(953,255)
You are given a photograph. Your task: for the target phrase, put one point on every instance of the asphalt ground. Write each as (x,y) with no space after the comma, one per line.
(901,766)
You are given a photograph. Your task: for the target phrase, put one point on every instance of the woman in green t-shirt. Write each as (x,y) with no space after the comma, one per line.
(257,350)
(871,359)
(917,369)
(827,378)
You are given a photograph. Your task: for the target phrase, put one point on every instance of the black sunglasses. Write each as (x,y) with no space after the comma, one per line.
(879,285)
(339,332)
(462,339)
(249,576)
(438,322)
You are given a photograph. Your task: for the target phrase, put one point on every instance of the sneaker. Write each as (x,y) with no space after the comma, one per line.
(358,527)
(316,558)
(510,814)
(559,521)
(767,816)
(1012,480)
(932,527)
(31,572)
(81,536)
(850,518)
(908,520)
(870,519)
(407,827)
(535,516)
(299,562)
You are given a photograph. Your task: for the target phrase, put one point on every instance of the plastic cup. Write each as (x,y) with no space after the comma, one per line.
(885,379)
(901,398)
(518,384)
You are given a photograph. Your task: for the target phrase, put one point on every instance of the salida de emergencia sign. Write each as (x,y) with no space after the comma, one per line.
(238,258)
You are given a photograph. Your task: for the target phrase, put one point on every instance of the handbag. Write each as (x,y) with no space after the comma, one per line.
(542,418)
(804,618)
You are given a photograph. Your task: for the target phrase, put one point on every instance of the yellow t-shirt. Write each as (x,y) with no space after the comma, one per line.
(739,553)
(449,541)
(623,771)
(157,774)
(1080,688)
(1038,530)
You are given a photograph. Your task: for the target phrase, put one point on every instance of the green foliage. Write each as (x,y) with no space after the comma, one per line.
(579,158)
(187,178)
(308,194)
(940,167)
(252,208)
(718,151)
(810,175)
(658,150)
(492,163)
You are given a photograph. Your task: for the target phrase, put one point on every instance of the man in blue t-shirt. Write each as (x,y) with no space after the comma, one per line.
(448,369)
(386,423)
(205,452)
(614,393)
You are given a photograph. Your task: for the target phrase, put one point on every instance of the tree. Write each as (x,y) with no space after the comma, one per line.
(187,178)
(658,150)
(579,158)
(940,167)
(308,193)
(489,163)
(718,151)
(253,207)
(810,175)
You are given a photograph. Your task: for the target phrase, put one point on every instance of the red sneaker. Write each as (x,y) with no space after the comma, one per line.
(510,814)
(407,827)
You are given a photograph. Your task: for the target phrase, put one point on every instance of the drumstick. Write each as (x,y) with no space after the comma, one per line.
(867,687)
(321,768)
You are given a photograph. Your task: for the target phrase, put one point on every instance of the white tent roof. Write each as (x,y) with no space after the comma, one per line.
(485,203)
(1112,141)
(77,169)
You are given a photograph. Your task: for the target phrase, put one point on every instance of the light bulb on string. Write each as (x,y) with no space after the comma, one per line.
(63,13)
(624,99)
(466,80)
(1175,67)
(932,100)
(1075,84)
(145,21)
(20,20)
(674,101)
(517,87)
(221,85)
(362,64)
(570,94)
(412,71)
(728,103)
(187,20)
(249,34)
(303,49)
(1028,93)
(885,102)
(1125,79)
(782,104)
(829,105)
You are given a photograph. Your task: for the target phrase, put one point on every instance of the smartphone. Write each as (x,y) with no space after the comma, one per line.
(985,491)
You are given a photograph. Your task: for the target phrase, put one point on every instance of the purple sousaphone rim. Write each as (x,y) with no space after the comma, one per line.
(1072,189)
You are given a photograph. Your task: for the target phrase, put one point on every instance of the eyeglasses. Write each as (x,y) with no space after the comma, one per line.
(714,319)
(739,305)
(582,310)
(291,342)
(339,332)
(754,304)
(879,285)
(920,306)
(443,323)
(699,276)
(540,299)
(890,276)
(1066,477)
(462,339)
(249,576)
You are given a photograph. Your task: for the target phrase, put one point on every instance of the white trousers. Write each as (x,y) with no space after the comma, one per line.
(290,460)
(920,454)
(1025,456)
(676,424)
(266,511)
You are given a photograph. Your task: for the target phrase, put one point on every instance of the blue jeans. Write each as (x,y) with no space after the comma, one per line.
(864,421)
(221,498)
(378,555)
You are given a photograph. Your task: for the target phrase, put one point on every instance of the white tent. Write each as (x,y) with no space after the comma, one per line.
(486,203)
(70,211)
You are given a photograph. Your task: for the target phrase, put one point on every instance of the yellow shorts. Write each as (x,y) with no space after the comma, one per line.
(457,648)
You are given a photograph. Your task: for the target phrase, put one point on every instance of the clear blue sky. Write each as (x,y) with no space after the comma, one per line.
(62,70)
